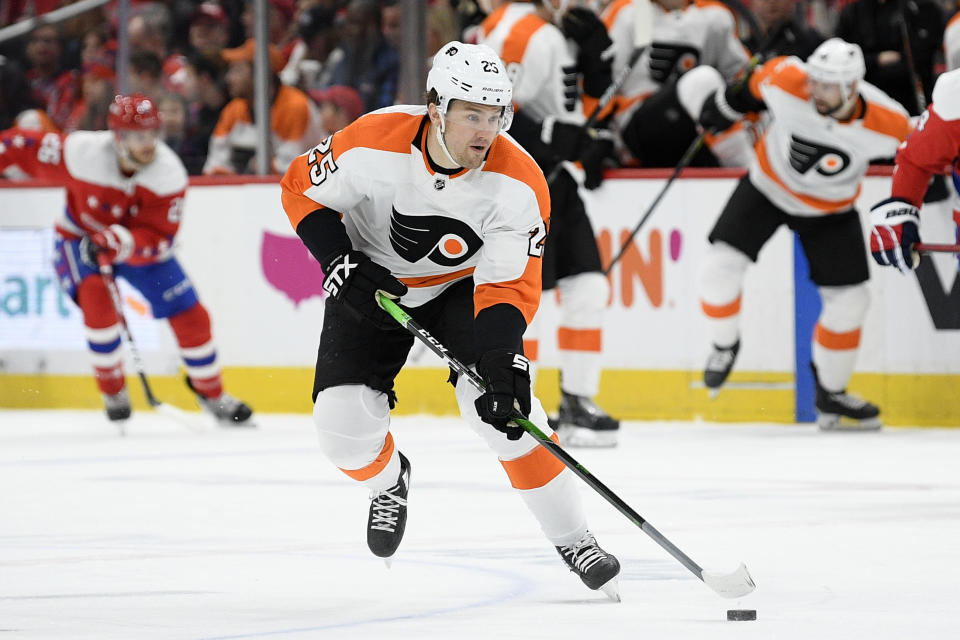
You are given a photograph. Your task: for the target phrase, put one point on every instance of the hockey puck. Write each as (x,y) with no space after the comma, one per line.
(741,614)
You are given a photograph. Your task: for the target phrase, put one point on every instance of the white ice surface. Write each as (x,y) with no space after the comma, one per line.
(252,534)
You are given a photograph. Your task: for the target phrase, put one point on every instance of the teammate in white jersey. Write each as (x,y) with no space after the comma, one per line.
(547,63)
(694,51)
(438,207)
(827,124)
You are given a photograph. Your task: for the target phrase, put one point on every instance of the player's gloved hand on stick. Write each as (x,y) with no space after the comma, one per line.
(585,27)
(506,375)
(354,279)
(115,243)
(566,140)
(716,115)
(894,233)
(592,156)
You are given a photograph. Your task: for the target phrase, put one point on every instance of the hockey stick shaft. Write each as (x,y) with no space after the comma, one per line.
(926,247)
(908,54)
(684,161)
(106,272)
(404,319)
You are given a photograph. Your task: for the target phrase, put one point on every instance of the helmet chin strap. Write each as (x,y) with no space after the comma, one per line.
(849,100)
(443,144)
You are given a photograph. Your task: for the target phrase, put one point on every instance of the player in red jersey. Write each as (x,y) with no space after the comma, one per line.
(933,148)
(125,193)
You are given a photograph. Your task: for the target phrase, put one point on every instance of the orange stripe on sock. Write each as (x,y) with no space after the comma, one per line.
(579,339)
(535,469)
(531,349)
(721,310)
(375,467)
(837,341)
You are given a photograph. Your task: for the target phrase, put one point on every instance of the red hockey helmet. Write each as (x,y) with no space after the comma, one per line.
(134,112)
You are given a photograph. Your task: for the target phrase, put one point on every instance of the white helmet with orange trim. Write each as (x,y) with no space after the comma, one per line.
(472,73)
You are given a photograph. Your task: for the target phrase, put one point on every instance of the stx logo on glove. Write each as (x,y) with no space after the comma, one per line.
(335,279)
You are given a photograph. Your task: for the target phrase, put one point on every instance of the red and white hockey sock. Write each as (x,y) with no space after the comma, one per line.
(103,334)
(199,353)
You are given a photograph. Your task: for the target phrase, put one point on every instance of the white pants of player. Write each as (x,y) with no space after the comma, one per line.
(353,423)
(836,339)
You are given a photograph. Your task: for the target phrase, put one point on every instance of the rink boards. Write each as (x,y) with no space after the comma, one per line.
(263,291)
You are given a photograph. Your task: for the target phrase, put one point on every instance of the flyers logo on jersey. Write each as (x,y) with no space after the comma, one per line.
(445,241)
(668,59)
(806,155)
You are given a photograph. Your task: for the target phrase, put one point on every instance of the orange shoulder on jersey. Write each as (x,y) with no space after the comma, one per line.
(610,13)
(515,44)
(788,77)
(383,131)
(235,112)
(290,113)
(886,121)
(491,21)
(508,159)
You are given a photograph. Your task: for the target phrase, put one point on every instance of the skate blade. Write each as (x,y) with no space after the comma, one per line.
(388,562)
(574,436)
(611,588)
(714,393)
(837,423)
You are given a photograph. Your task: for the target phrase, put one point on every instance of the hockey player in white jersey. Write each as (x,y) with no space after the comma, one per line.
(438,207)
(548,64)
(695,49)
(827,124)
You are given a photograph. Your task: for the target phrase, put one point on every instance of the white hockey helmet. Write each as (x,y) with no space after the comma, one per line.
(472,73)
(837,62)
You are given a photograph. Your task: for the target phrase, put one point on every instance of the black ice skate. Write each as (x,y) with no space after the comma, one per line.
(719,364)
(226,409)
(388,515)
(117,405)
(581,423)
(840,411)
(597,568)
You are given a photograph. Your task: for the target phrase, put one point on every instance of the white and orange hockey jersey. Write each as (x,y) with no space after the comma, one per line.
(540,61)
(702,32)
(428,228)
(808,164)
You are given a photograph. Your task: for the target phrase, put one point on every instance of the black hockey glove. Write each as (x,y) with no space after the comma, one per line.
(566,140)
(716,115)
(506,375)
(595,55)
(354,279)
(593,156)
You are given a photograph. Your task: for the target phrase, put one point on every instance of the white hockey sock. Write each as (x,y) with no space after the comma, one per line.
(720,286)
(836,338)
(583,299)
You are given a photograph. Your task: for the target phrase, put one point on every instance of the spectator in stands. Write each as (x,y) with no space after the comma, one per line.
(391,23)
(209,29)
(314,55)
(370,65)
(281,20)
(294,120)
(442,27)
(149,29)
(15,96)
(782,31)
(89,112)
(339,106)
(44,70)
(876,25)
(97,45)
(206,94)
(175,132)
(146,74)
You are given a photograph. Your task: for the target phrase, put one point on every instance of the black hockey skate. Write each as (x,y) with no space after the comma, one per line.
(117,405)
(840,411)
(597,568)
(388,515)
(226,409)
(581,423)
(719,365)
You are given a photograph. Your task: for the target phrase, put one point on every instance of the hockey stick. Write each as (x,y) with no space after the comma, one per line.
(728,585)
(642,37)
(926,247)
(908,54)
(684,161)
(106,272)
